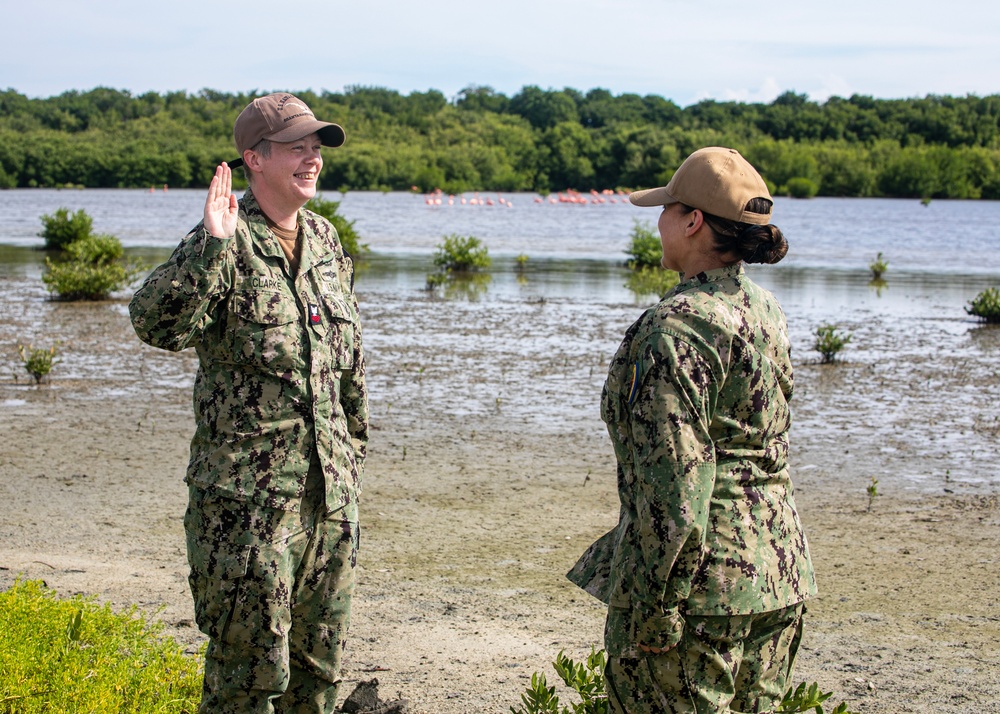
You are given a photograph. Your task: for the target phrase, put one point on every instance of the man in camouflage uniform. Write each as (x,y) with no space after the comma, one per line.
(708,567)
(263,290)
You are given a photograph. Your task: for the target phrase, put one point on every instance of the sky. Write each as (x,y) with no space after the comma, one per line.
(683,50)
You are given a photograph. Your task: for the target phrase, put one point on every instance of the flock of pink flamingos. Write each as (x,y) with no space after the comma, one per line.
(594,197)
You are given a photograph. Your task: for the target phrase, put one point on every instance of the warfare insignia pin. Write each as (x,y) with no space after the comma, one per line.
(632,384)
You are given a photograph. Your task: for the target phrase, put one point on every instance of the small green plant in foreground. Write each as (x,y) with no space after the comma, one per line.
(986,305)
(805,698)
(73,656)
(37,361)
(461,254)
(587,680)
(872,491)
(878,266)
(829,342)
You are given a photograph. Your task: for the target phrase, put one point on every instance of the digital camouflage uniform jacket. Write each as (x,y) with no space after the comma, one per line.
(696,403)
(281,378)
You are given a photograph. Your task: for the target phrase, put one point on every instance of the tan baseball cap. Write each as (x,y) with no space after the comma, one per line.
(280,117)
(717,180)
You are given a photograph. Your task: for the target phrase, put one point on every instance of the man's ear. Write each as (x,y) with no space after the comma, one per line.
(252,160)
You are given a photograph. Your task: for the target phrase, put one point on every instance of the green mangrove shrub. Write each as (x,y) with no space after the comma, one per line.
(986,305)
(93,276)
(61,228)
(829,342)
(878,266)
(806,698)
(37,361)
(647,277)
(461,254)
(644,248)
(95,249)
(91,267)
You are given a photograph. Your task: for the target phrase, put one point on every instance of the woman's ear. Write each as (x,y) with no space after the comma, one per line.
(695,220)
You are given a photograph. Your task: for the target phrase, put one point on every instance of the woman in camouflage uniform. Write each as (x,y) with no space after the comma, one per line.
(706,572)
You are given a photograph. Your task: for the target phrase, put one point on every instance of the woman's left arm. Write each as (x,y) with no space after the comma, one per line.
(674,462)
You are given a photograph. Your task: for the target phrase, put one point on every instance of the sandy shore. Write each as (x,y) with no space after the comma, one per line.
(489,473)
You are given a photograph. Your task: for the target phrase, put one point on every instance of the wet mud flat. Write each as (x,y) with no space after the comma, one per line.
(490,471)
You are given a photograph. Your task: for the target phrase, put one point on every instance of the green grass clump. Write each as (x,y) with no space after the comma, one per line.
(986,305)
(829,342)
(73,656)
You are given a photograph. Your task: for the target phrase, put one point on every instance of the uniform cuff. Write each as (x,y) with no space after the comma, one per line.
(659,631)
(205,246)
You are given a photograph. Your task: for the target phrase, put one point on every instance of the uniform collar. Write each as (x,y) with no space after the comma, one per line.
(729,272)
(265,242)
(315,251)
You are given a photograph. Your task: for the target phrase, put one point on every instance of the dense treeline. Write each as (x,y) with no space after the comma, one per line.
(537,140)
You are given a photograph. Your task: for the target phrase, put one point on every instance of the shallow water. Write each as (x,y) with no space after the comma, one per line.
(826,233)
(915,397)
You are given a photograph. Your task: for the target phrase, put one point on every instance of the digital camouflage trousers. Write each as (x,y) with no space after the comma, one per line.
(272,591)
(721,665)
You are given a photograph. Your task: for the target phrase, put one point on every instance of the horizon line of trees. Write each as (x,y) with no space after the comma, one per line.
(536,140)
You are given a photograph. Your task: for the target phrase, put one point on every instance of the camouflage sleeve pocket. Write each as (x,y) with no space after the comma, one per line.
(665,408)
(658,427)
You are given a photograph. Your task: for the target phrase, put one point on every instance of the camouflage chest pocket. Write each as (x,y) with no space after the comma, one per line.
(338,328)
(264,328)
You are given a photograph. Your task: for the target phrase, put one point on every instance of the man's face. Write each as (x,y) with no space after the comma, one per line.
(290,174)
